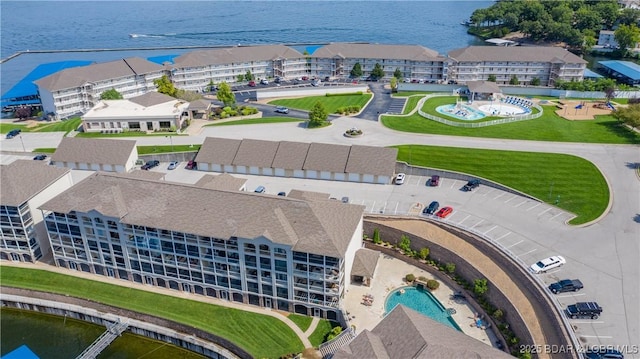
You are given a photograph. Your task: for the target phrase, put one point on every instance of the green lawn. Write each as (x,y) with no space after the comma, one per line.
(411,103)
(320,334)
(56,126)
(575,183)
(274,340)
(149,150)
(548,127)
(44,150)
(254,121)
(302,321)
(331,103)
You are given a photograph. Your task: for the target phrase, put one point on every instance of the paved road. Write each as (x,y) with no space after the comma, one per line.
(604,255)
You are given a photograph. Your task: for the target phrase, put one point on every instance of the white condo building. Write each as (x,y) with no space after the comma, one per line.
(278,252)
(76,90)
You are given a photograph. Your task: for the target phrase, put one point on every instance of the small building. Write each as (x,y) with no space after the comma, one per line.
(199,109)
(483,90)
(152,111)
(95,154)
(623,71)
(223,182)
(364,267)
(370,164)
(25,185)
(607,39)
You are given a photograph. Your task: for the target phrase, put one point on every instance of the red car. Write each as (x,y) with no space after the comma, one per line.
(305,78)
(444,212)
(434,181)
(252,84)
(191,165)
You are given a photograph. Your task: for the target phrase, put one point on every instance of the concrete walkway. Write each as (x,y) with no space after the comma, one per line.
(282,316)
(312,326)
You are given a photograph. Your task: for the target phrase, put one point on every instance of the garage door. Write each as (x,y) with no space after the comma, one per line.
(241,169)
(254,170)
(267,171)
(367,178)
(83,166)
(298,173)
(325,175)
(280,172)
(339,176)
(354,177)
(312,174)
(107,168)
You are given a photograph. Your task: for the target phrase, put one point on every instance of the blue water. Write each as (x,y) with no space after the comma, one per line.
(57,25)
(465,113)
(421,301)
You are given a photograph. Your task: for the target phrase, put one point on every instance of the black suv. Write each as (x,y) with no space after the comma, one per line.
(432,208)
(566,285)
(13,133)
(584,310)
(150,164)
(471,185)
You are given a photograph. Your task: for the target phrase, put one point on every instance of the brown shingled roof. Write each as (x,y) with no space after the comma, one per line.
(327,157)
(151,99)
(365,262)
(324,228)
(483,87)
(308,195)
(290,155)
(236,55)
(372,160)
(94,150)
(257,153)
(23,179)
(222,181)
(515,53)
(377,51)
(218,150)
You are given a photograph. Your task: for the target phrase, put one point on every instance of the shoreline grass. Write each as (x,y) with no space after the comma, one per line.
(575,183)
(238,326)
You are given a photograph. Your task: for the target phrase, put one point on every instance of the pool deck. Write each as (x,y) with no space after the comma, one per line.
(390,275)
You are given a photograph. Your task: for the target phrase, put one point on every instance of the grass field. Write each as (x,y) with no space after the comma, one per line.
(548,127)
(44,150)
(274,340)
(255,121)
(57,126)
(575,183)
(331,103)
(302,321)
(149,150)
(319,335)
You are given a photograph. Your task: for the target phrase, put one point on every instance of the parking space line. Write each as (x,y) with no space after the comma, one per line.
(504,235)
(396,210)
(543,212)
(418,181)
(521,203)
(500,195)
(490,229)
(537,204)
(570,295)
(520,241)
(490,191)
(529,252)
(383,207)
(373,207)
(596,336)
(474,226)
(507,201)
(559,213)
(452,184)
(578,321)
(465,218)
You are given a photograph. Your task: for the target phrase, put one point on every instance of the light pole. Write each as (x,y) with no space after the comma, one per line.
(171,141)
(21,141)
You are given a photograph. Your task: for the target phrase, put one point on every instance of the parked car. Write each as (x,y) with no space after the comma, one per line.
(252,84)
(547,264)
(603,353)
(40,157)
(566,285)
(264,82)
(444,212)
(304,78)
(400,178)
(282,109)
(173,165)
(150,164)
(191,165)
(282,194)
(345,199)
(260,189)
(434,181)
(431,208)
(13,133)
(471,185)
(277,80)
(584,310)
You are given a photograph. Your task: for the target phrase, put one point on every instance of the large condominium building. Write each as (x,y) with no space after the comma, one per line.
(76,90)
(548,64)
(25,185)
(197,69)
(271,251)
(337,60)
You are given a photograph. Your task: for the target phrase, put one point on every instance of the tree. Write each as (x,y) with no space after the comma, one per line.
(22,112)
(514,80)
(240,78)
(405,243)
(165,86)
(491,78)
(356,71)
(629,16)
(627,36)
(248,76)
(397,74)
(225,95)
(376,236)
(393,83)
(318,115)
(535,81)
(377,72)
(112,94)
(424,253)
(609,93)
(629,115)
(187,95)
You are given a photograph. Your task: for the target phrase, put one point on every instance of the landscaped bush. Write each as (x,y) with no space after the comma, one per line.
(433,284)
(376,236)
(347,110)
(410,277)
(450,268)
(343,94)
(334,333)
(424,253)
(422,278)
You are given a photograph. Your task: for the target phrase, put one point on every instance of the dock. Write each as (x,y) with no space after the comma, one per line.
(114,330)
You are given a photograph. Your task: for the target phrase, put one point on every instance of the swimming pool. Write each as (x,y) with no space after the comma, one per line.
(503,109)
(421,301)
(461,112)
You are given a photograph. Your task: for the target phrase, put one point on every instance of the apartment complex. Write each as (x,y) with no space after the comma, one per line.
(25,185)
(76,90)
(197,69)
(271,251)
(337,60)
(548,64)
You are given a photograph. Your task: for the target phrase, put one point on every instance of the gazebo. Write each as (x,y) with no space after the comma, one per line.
(482,90)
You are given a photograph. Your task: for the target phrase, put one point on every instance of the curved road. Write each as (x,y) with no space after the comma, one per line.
(605,255)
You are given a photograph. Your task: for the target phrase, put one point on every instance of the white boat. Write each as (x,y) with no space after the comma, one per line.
(133,35)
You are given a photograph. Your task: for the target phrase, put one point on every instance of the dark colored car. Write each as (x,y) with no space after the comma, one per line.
(431,208)
(13,133)
(282,194)
(603,353)
(584,310)
(150,164)
(471,185)
(260,189)
(345,199)
(305,78)
(434,181)
(191,165)
(40,157)
(566,285)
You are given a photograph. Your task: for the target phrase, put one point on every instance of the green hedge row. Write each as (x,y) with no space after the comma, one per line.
(343,94)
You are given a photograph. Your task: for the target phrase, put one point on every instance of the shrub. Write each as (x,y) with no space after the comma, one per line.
(405,243)
(334,333)
(498,314)
(433,284)
(376,236)
(634,100)
(410,278)
(424,253)
(343,94)
(480,286)
(450,268)
(422,278)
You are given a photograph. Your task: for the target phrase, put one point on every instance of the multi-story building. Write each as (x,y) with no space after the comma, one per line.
(76,90)
(197,69)
(548,64)
(418,62)
(25,185)
(271,251)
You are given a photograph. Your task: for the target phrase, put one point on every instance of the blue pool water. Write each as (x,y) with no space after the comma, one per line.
(464,113)
(421,301)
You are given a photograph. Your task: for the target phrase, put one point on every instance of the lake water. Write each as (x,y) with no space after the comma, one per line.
(60,25)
